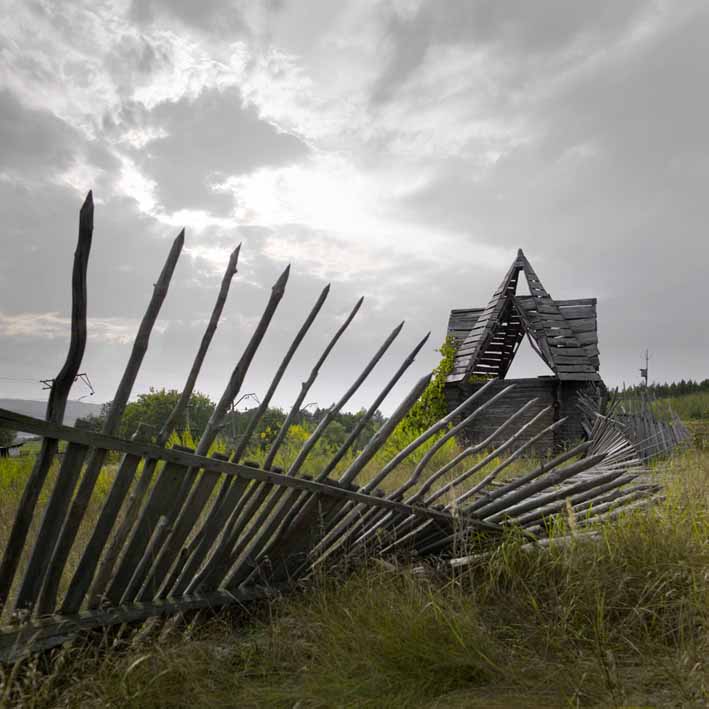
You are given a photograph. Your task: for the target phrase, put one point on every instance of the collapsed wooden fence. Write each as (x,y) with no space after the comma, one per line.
(651,426)
(180,529)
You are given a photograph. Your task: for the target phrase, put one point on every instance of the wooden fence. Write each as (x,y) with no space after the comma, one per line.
(650,425)
(180,529)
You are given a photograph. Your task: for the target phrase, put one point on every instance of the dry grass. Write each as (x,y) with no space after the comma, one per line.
(620,621)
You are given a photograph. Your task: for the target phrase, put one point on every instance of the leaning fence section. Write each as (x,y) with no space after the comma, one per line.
(175,529)
(649,424)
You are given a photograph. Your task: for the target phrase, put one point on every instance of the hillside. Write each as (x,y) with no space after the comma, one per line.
(31,407)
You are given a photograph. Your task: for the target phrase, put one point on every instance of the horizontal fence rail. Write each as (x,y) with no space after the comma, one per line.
(171,529)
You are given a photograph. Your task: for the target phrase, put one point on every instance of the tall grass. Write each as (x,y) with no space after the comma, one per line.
(691,407)
(621,619)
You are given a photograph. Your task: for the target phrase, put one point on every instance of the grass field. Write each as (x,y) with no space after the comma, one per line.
(690,407)
(622,620)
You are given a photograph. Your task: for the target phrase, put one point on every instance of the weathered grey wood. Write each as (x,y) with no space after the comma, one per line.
(256,490)
(182,524)
(543,468)
(544,499)
(336,408)
(350,519)
(56,405)
(287,555)
(54,515)
(72,522)
(237,376)
(381,436)
(266,400)
(212,325)
(525,492)
(615,501)
(306,386)
(92,552)
(207,532)
(579,376)
(420,440)
(247,557)
(143,567)
(221,559)
(259,534)
(213,527)
(339,534)
(580,502)
(214,566)
(161,503)
(98,440)
(475,490)
(350,514)
(374,407)
(218,514)
(418,470)
(33,636)
(492,455)
(136,498)
(470,450)
(201,492)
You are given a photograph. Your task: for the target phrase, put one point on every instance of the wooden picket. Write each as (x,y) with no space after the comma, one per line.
(180,529)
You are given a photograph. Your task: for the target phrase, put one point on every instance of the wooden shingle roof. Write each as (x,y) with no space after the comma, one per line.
(562,332)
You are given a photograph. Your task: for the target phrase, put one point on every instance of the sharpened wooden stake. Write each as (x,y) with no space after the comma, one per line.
(307,384)
(47,600)
(263,406)
(470,450)
(215,566)
(374,407)
(199,495)
(85,570)
(226,501)
(261,531)
(56,405)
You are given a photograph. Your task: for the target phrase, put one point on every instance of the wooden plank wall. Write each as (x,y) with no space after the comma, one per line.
(541,388)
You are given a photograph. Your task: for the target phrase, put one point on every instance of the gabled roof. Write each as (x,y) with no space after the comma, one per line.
(562,332)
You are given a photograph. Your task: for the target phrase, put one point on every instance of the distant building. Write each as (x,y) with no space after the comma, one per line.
(562,332)
(11,451)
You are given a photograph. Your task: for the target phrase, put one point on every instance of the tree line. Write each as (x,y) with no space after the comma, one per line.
(145,416)
(681,388)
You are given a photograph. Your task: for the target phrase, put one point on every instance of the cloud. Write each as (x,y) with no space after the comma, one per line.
(204,140)
(52,325)
(402,149)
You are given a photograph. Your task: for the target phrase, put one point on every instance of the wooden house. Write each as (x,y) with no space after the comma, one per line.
(562,332)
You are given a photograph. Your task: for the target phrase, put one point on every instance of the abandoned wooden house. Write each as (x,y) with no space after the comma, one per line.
(562,332)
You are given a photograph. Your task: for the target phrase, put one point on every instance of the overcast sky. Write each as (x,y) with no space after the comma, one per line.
(399,149)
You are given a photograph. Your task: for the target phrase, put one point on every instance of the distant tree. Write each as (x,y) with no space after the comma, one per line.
(152,410)
(6,437)
(93,422)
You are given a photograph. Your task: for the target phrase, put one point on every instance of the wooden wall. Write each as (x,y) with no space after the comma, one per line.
(548,390)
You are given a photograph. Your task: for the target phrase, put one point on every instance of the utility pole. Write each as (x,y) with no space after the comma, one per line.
(643,370)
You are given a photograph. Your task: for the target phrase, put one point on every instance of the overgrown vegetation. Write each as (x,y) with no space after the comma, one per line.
(147,414)
(620,619)
(616,621)
(688,399)
(432,405)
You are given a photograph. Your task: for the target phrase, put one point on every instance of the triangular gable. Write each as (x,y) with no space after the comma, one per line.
(496,331)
